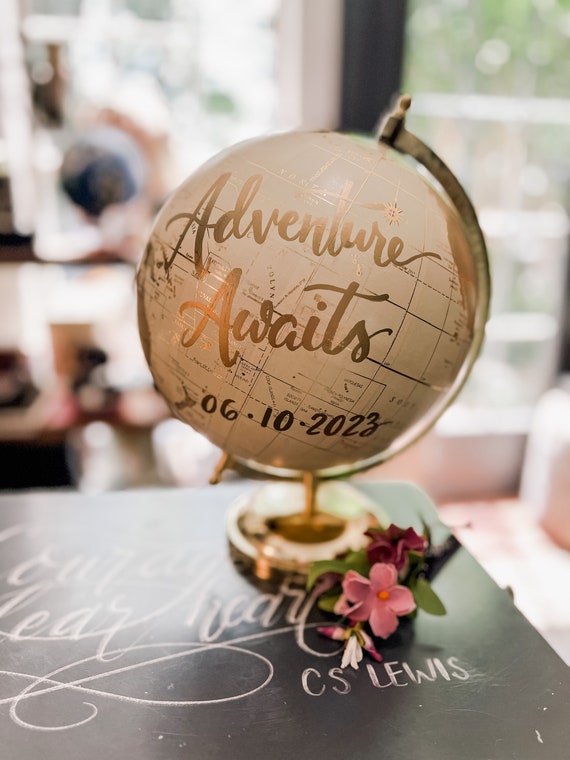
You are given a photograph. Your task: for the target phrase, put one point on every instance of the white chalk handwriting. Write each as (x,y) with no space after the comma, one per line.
(121,608)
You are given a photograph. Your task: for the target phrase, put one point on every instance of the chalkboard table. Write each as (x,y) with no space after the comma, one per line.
(127,632)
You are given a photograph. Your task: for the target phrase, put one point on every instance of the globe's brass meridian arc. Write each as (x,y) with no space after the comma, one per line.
(309,527)
(393,132)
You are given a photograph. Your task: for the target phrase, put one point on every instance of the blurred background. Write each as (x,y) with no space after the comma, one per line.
(107,105)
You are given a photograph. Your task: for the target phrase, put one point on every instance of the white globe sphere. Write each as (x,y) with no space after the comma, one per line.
(309,302)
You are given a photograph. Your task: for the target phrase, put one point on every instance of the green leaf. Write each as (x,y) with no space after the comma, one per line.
(358,561)
(415,567)
(327,602)
(426,532)
(353,561)
(415,558)
(324,566)
(426,598)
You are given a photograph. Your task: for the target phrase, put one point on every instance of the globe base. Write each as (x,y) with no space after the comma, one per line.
(282,527)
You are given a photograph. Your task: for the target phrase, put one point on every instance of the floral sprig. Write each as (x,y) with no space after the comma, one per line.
(374,587)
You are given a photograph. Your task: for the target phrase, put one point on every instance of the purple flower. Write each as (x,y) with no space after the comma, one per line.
(391,545)
(326,581)
(379,600)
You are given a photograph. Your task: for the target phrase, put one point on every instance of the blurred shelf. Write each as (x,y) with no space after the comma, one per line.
(16,249)
(54,413)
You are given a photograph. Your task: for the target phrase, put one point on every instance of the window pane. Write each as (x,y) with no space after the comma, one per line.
(489,86)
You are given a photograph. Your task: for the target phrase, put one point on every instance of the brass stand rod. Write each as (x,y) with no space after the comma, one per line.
(310,483)
(225,463)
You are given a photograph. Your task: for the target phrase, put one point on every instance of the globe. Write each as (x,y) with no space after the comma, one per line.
(309,302)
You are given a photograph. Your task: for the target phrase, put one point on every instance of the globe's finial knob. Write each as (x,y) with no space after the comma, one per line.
(404,103)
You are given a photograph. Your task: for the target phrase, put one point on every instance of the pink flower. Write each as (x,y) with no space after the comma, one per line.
(336,632)
(378,599)
(355,640)
(393,544)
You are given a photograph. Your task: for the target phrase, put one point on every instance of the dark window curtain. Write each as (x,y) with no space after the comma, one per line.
(372,60)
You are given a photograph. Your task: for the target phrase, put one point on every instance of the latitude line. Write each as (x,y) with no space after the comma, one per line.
(403,374)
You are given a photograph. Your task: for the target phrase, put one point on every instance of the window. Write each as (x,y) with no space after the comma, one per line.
(489,82)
